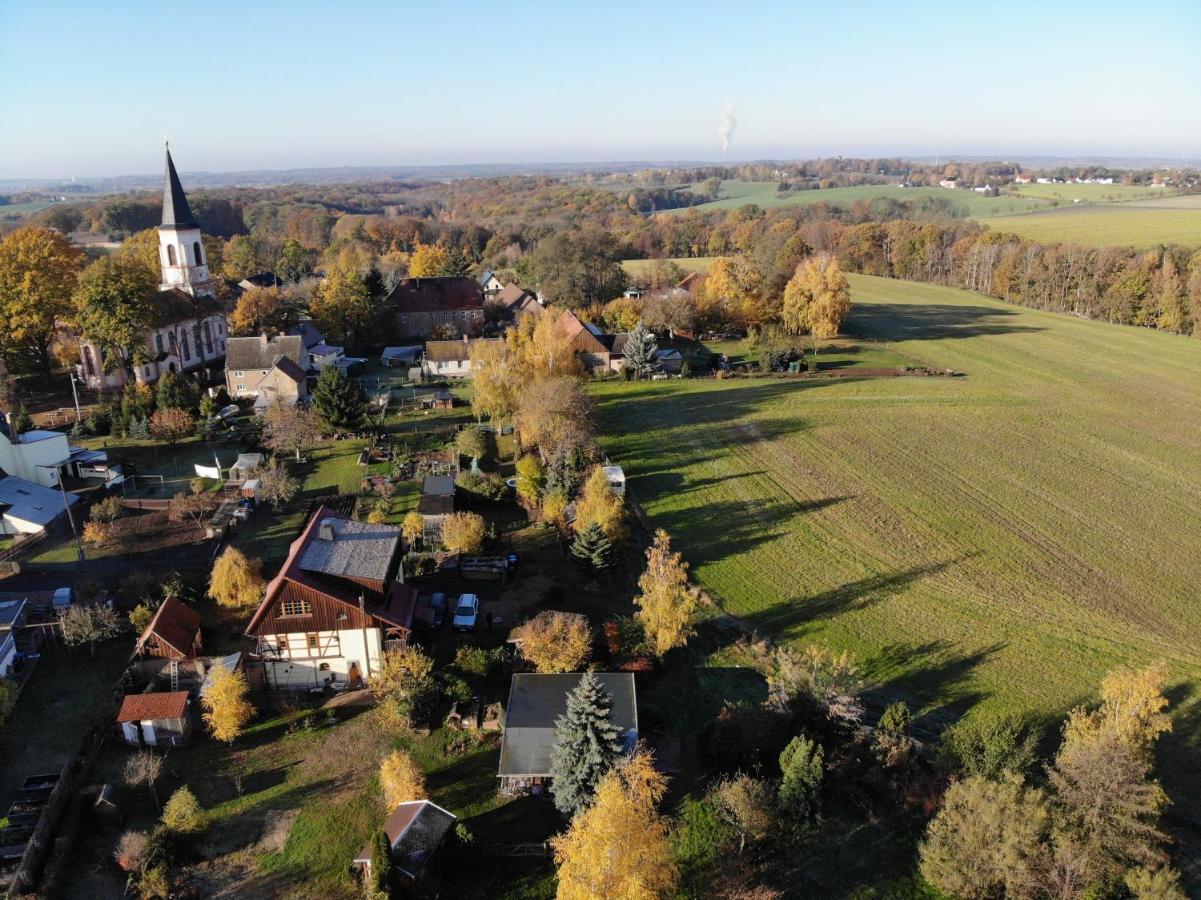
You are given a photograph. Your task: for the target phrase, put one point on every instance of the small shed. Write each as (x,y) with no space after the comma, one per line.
(245,464)
(444,399)
(400,357)
(173,633)
(617,480)
(155,720)
(415,830)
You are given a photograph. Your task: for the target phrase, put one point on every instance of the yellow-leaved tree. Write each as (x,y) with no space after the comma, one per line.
(463,532)
(555,641)
(816,299)
(666,607)
(428,260)
(401,779)
(38,272)
(236,580)
(412,527)
(1132,710)
(733,294)
(493,381)
(599,505)
(541,347)
(618,846)
(226,703)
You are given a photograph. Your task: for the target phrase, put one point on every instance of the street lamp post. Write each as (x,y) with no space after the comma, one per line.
(75,394)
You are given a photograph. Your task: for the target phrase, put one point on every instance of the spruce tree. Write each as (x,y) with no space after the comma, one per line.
(640,351)
(338,400)
(593,548)
(381,865)
(587,744)
(801,768)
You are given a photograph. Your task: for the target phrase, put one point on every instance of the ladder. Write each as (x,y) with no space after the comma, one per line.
(173,669)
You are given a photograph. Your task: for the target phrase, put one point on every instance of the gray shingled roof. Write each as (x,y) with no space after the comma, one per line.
(176,211)
(255,353)
(536,701)
(358,550)
(416,829)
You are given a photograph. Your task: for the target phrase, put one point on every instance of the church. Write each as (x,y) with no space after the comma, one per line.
(187,328)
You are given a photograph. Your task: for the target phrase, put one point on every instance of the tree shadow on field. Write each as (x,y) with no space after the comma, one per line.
(789,617)
(726,528)
(931,321)
(934,676)
(1176,766)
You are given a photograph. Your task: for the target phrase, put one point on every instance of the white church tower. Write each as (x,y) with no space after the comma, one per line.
(181,251)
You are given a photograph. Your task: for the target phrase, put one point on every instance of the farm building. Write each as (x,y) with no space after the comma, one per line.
(155,720)
(423,304)
(400,357)
(173,633)
(415,830)
(597,351)
(490,284)
(338,599)
(535,703)
(515,302)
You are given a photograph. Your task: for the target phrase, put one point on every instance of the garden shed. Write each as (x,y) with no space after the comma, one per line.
(155,720)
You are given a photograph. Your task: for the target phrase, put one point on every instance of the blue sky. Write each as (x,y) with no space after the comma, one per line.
(89,88)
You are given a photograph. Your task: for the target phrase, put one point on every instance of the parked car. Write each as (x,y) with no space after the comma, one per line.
(466,612)
(62,599)
(437,603)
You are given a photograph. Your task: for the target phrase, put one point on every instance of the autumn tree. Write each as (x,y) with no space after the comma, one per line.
(276,486)
(412,527)
(618,846)
(236,581)
(183,814)
(540,347)
(341,303)
(733,294)
(529,478)
(577,268)
(294,261)
(555,641)
(827,681)
(472,442)
(746,805)
(405,685)
(493,381)
(290,428)
(143,769)
(226,703)
(39,270)
(401,779)
(666,607)
(172,424)
(554,415)
(429,260)
(262,310)
(987,839)
(113,307)
(1132,711)
(1173,314)
(816,299)
(239,260)
(599,505)
(463,532)
(623,314)
(89,623)
(338,400)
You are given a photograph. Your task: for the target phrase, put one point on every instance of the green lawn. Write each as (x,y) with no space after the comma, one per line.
(1088,193)
(1126,224)
(997,540)
(638,267)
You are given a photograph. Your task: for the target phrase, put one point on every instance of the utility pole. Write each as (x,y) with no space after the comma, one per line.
(67,506)
(75,394)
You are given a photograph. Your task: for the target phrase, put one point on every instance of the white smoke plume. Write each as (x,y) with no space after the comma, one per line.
(726,123)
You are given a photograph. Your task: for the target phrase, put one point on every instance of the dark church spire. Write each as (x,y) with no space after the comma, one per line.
(176,212)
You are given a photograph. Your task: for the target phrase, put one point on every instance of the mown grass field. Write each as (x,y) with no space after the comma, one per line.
(1126,224)
(764,194)
(1088,193)
(1000,540)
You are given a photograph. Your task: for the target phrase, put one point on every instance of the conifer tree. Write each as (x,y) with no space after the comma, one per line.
(338,400)
(381,865)
(592,548)
(640,351)
(587,745)
(801,768)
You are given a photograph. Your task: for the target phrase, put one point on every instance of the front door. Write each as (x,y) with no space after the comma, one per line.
(148,733)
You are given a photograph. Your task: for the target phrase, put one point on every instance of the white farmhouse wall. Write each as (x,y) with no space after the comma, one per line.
(296,667)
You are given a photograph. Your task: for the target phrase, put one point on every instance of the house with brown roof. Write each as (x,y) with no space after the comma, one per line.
(186,327)
(451,359)
(159,719)
(423,304)
(597,351)
(270,369)
(173,633)
(338,601)
(515,302)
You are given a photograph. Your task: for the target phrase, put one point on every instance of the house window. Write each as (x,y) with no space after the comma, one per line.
(281,643)
(239,374)
(170,254)
(187,353)
(171,343)
(208,338)
(314,642)
(404,320)
(158,343)
(297,608)
(239,387)
(196,251)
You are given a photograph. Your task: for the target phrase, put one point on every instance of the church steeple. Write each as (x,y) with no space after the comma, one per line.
(176,212)
(181,249)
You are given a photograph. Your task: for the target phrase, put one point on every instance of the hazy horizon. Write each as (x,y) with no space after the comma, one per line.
(272,87)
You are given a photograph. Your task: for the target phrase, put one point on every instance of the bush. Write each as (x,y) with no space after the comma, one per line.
(106,510)
(472,660)
(990,745)
(133,849)
(480,486)
(183,814)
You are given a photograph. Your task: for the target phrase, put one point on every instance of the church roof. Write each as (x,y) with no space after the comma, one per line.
(176,212)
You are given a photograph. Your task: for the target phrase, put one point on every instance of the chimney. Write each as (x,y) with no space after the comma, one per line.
(325,530)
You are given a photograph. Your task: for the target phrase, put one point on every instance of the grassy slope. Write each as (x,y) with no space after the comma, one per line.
(1127,224)
(1004,538)
(639,267)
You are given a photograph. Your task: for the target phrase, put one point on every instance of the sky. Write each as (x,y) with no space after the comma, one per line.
(90,88)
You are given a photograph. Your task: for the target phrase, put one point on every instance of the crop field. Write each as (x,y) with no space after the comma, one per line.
(1121,224)
(1000,539)
(1088,193)
(638,267)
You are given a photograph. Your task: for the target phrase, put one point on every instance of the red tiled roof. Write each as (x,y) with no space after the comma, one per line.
(165,705)
(175,624)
